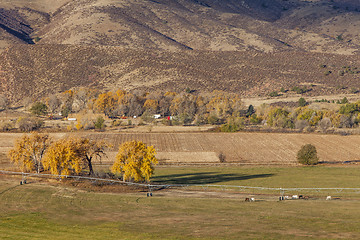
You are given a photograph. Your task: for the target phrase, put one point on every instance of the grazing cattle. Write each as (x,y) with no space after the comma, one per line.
(328,198)
(247,199)
(295,197)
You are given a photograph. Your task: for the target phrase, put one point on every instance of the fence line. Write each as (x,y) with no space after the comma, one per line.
(203,186)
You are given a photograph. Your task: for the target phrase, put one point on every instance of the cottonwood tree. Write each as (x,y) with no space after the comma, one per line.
(135,161)
(62,158)
(68,156)
(88,149)
(106,103)
(29,151)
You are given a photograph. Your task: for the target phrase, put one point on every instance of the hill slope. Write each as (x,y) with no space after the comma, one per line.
(265,25)
(43,69)
(250,46)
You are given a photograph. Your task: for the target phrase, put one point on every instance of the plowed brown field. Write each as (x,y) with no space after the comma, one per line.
(246,148)
(242,148)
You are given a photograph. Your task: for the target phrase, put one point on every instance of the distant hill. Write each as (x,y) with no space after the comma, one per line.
(227,25)
(41,69)
(250,46)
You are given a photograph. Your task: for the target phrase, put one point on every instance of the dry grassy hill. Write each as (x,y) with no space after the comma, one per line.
(42,69)
(265,25)
(249,46)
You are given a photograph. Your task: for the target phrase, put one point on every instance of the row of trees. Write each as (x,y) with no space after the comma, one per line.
(186,107)
(38,152)
(303,117)
(218,107)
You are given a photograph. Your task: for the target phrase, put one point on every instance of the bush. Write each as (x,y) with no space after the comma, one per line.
(274,94)
(300,90)
(222,157)
(307,155)
(99,123)
(65,112)
(6,126)
(302,102)
(39,108)
(233,125)
(29,124)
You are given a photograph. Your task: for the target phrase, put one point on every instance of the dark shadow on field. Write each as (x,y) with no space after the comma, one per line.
(204,178)
(339,162)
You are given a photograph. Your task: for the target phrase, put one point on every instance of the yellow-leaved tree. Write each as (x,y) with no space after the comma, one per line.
(29,150)
(72,155)
(62,158)
(106,103)
(135,161)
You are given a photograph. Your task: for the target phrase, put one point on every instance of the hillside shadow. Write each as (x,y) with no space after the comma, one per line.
(204,178)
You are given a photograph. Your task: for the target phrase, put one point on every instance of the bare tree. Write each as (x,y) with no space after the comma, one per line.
(4,102)
(53,103)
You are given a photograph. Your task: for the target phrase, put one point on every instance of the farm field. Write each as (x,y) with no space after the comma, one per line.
(204,147)
(41,210)
(245,148)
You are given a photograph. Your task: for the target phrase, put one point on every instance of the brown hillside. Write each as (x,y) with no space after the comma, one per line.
(42,69)
(251,47)
(228,25)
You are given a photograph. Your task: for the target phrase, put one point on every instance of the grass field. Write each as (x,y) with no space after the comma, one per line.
(40,210)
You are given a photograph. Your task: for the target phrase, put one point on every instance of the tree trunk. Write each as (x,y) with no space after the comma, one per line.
(91,170)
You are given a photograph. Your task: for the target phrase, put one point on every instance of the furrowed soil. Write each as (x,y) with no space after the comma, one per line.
(205,147)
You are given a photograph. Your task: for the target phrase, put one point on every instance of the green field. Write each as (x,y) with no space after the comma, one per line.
(42,211)
(272,177)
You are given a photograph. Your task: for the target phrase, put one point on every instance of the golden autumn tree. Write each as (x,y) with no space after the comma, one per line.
(135,161)
(29,150)
(106,103)
(224,104)
(73,155)
(62,158)
(151,105)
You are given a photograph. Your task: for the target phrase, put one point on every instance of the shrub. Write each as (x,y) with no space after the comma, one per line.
(29,124)
(301,124)
(233,125)
(274,94)
(255,119)
(99,123)
(39,108)
(300,90)
(6,126)
(65,112)
(250,111)
(302,102)
(325,124)
(213,119)
(307,155)
(222,157)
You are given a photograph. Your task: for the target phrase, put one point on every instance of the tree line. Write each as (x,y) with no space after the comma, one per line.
(36,152)
(185,107)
